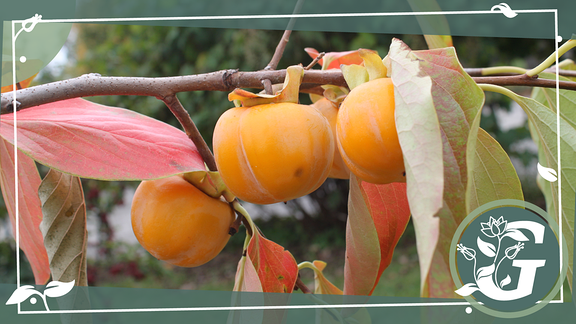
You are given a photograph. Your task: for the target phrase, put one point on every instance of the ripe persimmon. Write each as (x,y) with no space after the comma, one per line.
(329,109)
(178,223)
(366,133)
(273,152)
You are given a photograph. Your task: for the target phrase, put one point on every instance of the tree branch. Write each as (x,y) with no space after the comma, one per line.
(279,51)
(95,85)
(225,80)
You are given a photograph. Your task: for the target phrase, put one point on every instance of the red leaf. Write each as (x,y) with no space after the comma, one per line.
(335,59)
(29,207)
(89,140)
(276,267)
(378,215)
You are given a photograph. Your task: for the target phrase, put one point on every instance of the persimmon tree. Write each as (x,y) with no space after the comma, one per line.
(450,167)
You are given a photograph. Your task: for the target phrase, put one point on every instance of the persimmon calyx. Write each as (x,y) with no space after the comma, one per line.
(210,183)
(374,68)
(288,93)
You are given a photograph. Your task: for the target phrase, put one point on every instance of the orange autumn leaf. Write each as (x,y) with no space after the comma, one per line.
(333,60)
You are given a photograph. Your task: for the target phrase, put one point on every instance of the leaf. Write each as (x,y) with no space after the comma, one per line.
(322,285)
(437,195)
(485,271)
(419,136)
(487,248)
(29,207)
(543,126)
(354,75)
(547,173)
(276,268)
(57,288)
(491,174)
(64,226)
(90,140)
(21,294)
(432,25)
(515,235)
(377,218)
(505,281)
(467,290)
(333,60)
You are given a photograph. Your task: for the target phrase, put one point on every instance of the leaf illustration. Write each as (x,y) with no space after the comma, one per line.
(547,173)
(90,140)
(515,234)
(377,217)
(21,294)
(64,227)
(30,211)
(467,289)
(505,281)
(485,271)
(487,248)
(491,174)
(58,288)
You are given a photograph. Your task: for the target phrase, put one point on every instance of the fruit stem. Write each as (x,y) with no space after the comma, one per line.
(246,219)
(552,58)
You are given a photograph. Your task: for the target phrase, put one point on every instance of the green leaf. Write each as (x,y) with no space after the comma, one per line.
(542,116)
(491,174)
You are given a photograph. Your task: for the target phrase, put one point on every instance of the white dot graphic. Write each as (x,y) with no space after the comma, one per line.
(468,310)
(22,58)
(558,38)
(33,300)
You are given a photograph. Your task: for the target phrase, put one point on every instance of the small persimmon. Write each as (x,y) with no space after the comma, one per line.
(274,152)
(329,109)
(366,133)
(178,223)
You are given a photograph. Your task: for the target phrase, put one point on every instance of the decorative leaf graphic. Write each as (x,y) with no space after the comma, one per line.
(64,226)
(90,140)
(487,248)
(485,271)
(515,234)
(505,281)
(467,290)
(547,173)
(30,211)
(58,288)
(21,294)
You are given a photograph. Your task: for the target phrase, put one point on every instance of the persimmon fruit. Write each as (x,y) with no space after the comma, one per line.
(339,170)
(366,133)
(178,223)
(274,152)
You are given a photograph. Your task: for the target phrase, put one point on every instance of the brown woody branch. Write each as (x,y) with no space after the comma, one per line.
(226,80)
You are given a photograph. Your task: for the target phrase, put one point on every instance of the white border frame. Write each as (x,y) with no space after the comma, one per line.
(342,15)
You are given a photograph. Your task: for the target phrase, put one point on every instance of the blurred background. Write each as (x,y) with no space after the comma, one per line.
(312,227)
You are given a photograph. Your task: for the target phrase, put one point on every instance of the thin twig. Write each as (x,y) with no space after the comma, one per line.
(477,72)
(302,286)
(268,86)
(524,80)
(279,51)
(315,61)
(191,130)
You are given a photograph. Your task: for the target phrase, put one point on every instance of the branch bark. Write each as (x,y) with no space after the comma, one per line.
(225,80)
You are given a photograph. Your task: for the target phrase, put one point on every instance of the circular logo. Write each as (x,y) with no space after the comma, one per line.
(505,258)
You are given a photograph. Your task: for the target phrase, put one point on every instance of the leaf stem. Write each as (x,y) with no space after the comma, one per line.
(502,70)
(498,89)
(552,58)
